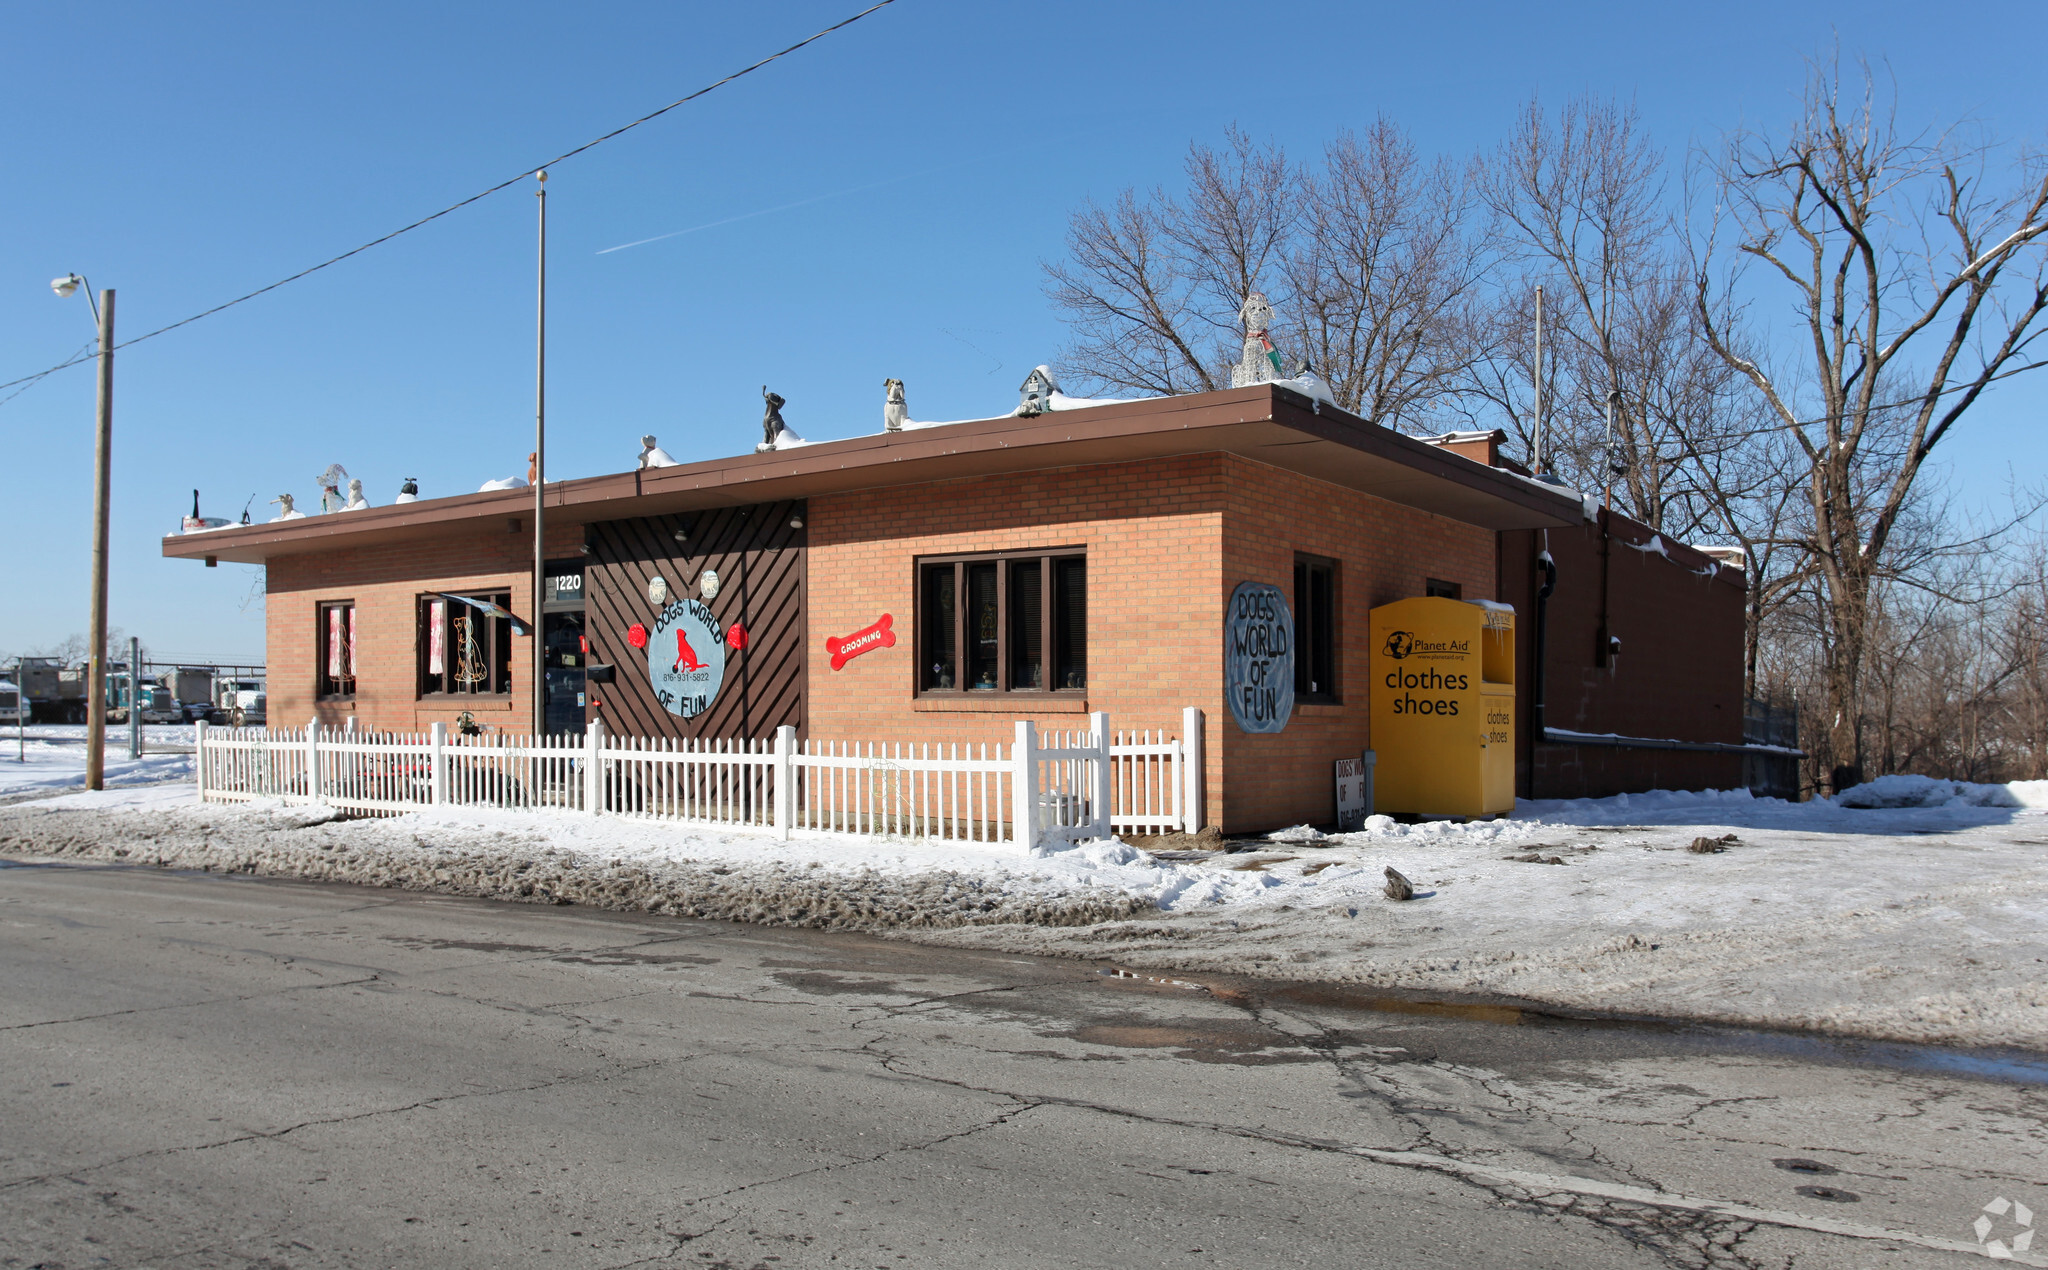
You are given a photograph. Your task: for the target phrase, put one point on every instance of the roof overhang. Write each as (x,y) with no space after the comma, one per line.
(1264,423)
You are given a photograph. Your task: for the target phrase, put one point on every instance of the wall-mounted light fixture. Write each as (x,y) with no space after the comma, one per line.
(796,522)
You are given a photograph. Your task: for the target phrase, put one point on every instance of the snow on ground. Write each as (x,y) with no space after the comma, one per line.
(1923,919)
(52,756)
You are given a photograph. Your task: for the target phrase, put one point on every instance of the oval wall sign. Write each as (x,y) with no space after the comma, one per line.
(686,658)
(1258,657)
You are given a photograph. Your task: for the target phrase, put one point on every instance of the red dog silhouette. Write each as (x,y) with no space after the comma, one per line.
(686,656)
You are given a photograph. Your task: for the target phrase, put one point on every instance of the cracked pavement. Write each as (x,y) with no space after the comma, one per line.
(201,1070)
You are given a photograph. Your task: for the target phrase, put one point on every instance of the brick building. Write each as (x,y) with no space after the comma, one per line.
(1015,568)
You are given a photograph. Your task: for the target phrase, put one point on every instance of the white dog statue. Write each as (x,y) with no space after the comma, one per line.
(894,412)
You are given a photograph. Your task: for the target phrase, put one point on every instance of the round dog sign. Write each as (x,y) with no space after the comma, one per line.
(1258,657)
(686,658)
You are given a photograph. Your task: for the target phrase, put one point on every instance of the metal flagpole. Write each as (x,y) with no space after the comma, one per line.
(540,469)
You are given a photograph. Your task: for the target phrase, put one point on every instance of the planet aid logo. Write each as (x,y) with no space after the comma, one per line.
(1407,645)
(686,658)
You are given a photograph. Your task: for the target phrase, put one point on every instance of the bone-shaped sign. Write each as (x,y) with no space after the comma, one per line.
(866,639)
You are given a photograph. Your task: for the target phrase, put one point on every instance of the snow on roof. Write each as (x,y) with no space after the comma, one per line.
(1454,438)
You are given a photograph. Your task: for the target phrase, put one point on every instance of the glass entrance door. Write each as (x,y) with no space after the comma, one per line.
(562,640)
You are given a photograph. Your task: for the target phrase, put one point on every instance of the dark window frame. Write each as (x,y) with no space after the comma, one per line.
(1318,630)
(1439,589)
(494,642)
(324,688)
(1047,559)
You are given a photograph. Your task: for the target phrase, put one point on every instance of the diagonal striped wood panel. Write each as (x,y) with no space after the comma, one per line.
(760,564)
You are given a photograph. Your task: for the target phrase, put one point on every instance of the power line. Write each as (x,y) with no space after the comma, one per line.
(455,207)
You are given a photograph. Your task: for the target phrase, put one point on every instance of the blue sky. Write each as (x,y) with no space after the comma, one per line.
(187,154)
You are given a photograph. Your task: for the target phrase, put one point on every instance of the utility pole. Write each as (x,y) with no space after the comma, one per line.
(103,457)
(540,471)
(1613,469)
(1538,464)
(134,696)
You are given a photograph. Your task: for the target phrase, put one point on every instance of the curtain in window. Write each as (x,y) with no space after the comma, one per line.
(351,641)
(437,637)
(334,644)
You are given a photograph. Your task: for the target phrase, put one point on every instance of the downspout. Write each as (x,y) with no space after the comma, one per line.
(1537,730)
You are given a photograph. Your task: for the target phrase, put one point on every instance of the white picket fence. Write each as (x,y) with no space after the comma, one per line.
(1072,785)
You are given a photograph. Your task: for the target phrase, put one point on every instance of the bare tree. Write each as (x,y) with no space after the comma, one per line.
(2024,635)
(1581,206)
(1369,262)
(1385,274)
(1152,285)
(1917,283)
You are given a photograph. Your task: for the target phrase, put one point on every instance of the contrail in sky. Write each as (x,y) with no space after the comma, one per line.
(766,211)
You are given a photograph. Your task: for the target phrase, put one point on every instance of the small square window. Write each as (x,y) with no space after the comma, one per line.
(1440,589)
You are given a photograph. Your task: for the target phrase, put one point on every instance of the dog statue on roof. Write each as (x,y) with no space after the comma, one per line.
(894,411)
(1259,363)
(774,432)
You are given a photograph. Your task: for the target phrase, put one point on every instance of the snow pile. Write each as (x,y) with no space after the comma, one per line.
(1922,919)
(1928,791)
(545,859)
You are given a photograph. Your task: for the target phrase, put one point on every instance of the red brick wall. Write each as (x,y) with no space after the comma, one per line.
(1167,540)
(1152,532)
(384,582)
(1385,552)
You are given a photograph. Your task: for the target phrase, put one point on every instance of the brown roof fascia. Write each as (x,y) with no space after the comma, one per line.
(1264,423)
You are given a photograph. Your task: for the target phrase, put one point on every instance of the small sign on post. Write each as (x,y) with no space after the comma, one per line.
(1351,802)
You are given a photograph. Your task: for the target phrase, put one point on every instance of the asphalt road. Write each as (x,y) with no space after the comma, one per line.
(198,1070)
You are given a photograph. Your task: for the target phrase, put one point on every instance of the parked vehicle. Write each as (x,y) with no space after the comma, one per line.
(238,702)
(192,688)
(10,702)
(155,702)
(55,692)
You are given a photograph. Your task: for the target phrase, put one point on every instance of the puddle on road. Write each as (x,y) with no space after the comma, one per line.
(1378,1003)
(467,945)
(1204,1042)
(553,952)
(2003,1065)
(627,958)
(827,985)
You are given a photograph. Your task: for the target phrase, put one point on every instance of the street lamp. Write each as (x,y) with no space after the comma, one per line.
(103,445)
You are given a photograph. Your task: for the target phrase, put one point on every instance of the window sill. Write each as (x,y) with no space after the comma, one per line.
(478,702)
(1002,703)
(1318,707)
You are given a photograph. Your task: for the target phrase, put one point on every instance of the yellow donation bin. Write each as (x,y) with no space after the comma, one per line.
(1443,707)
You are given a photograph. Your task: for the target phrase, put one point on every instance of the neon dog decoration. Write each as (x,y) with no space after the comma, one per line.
(864,640)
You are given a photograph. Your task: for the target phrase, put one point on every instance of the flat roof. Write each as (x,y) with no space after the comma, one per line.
(1265,423)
